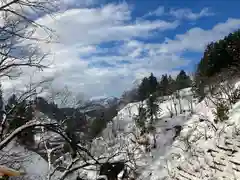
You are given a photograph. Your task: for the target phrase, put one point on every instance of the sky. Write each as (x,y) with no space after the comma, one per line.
(104,47)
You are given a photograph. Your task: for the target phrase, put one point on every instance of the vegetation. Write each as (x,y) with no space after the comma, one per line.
(97,126)
(166,86)
(221,112)
(219,57)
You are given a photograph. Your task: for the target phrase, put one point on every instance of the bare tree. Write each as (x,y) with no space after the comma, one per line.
(178,97)
(18,42)
(190,103)
(29,93)
(174,103)
(170,110)
(16,28)
(64,97)
(19,48)
(222,94)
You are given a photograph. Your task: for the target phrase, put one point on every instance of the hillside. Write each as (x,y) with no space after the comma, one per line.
(203,149)
(190,145)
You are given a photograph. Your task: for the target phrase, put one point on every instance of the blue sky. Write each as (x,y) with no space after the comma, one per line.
(105,46)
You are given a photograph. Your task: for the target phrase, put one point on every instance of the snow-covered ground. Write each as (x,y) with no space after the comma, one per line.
(203,149)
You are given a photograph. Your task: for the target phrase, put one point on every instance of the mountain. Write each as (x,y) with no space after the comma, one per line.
(98,103)
(190,144)
(60,114)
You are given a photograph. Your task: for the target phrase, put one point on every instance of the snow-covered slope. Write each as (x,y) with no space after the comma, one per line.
(203,150)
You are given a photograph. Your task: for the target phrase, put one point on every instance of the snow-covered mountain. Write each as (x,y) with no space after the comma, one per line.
(190,144)
(98,103)
(203,150)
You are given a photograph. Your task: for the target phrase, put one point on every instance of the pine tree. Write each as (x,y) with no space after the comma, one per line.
(152,111)
(98,125)
(198,86)
(183,80)
(153,84)
(148,86)
(140,119)
(143,89)
(218,57)
(147,91)
(152,108)
(163,85)
(12,101)
(171,85)
(19,113)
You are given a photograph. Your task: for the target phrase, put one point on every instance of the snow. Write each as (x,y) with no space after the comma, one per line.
(200,150)
(29,162)
(195,162)
(203,149)
(123,123)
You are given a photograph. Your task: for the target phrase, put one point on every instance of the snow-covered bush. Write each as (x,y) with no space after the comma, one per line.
(140,118)
(235,96)
(221,112)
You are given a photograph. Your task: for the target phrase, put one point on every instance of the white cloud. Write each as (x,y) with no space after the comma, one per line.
(181,13)
(93,26)
(81,32)
(84,3)
(158,12)
(196,39)
(78,33)
(188,14)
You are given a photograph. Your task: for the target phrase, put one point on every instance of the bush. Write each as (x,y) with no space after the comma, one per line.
(97,126)
(221,112)
(151,128)
(140,118)
(235,96)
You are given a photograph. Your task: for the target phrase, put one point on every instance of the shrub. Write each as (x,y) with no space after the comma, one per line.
(140,118)
(235,96)
(221,112)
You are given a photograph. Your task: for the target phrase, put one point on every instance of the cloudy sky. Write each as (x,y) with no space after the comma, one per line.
(104,46)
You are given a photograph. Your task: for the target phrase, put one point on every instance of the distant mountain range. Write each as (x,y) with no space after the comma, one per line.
(97,104)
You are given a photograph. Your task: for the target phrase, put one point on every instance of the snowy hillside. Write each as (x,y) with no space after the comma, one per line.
(190,145)
(121,130)
(203,150)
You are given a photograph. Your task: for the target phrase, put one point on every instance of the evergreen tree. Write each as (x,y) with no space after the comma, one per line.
(71,133)
(140,119)
(183,80)
(152,108)
(12,101)
(147,91)
(171,85)
(98,125)
(163,85)
(153,84)
(143,89)
(19,113)
(223,55)
(198,87)
(152,111)
(148,86)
